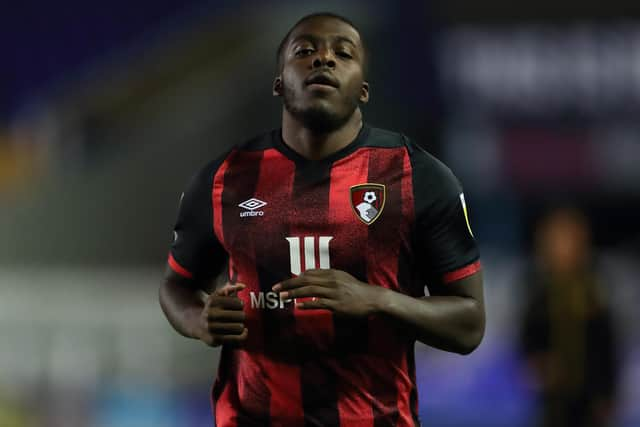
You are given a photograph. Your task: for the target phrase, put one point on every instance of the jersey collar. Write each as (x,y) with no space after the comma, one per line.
(288,152)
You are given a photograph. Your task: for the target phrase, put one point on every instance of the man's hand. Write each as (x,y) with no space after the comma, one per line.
(333,290)
(222,318)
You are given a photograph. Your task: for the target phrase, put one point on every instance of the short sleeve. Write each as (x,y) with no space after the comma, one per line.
(446,246)
(195,251)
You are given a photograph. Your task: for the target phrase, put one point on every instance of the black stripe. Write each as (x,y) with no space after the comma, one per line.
(318,382)
(273,266)
(242,173)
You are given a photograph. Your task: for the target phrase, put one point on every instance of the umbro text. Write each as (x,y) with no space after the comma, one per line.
(251,213)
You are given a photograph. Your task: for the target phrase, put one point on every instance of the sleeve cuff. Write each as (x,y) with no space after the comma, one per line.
(463,272)
(175,266)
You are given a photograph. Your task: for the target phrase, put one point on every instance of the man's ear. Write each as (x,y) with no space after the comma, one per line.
(277,86)
(364,93)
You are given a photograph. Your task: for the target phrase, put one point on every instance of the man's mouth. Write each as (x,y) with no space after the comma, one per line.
(318,80)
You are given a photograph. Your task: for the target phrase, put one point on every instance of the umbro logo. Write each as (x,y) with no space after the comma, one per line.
(251,205)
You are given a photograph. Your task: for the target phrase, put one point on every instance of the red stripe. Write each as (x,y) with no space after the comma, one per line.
(463,272)
(225,407)
(354,406)
(178,268)
(216,200)
(404,385)
(383,250)
(354,403)
(405,380)
(408,221)
(286,393)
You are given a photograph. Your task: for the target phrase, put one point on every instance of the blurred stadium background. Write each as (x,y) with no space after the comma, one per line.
(106,109)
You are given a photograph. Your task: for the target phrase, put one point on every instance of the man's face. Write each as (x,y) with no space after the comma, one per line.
(322,80)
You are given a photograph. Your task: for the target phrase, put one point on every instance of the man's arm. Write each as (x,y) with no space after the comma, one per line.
(196,256)
(215,319)
(182,303)
(451,319)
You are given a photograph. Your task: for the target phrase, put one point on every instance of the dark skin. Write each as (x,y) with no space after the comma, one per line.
(331,48)
(452,318)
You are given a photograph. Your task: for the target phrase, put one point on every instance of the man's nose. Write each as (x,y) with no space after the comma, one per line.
(324,58)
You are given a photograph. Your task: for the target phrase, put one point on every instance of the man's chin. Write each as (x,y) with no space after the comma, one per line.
(322,121)
(320,117)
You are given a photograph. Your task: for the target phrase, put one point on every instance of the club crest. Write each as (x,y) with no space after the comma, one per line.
(367,201)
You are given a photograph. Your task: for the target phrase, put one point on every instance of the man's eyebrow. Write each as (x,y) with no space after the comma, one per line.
(304,37)
(313,38)
(345,40)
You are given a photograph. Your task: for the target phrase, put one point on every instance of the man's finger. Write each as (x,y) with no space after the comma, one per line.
(223,328)
(230,289)
(235,338)
(226,315)
(229,303)
(316,304)
(307,291)
(290,284)
(302,280)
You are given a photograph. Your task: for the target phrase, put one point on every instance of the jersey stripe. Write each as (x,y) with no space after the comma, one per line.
(275,186)
(175,266)
(216,200)
(240,170)
(351,337)
(463,272)
(406,262)
(314,329)
(387,167)
(409,285)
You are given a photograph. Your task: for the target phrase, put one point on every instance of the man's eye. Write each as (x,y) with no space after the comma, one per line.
(344,54)
(304,51)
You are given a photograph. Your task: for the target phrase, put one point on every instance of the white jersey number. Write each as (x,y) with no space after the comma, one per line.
(309,252)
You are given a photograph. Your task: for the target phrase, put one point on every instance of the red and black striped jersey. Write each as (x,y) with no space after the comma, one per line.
(381,209)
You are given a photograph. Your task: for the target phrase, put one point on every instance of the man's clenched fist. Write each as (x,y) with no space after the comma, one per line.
(222,318)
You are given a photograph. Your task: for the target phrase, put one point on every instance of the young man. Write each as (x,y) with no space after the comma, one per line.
(329,229)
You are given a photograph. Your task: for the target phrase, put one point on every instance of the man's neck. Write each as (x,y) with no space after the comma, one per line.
(317,146)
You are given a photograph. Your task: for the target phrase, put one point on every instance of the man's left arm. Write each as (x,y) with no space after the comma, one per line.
(452,318)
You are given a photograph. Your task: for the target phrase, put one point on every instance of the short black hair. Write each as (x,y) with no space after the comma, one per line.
(347,21)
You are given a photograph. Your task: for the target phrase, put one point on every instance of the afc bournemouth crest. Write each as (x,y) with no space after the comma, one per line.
(367,201)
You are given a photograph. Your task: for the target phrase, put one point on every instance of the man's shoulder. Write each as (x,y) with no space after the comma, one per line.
(259,142)
(206,173)
(422,161)
(384,138)
(262,141)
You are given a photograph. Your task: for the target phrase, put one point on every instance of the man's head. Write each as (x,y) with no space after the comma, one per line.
(321,71)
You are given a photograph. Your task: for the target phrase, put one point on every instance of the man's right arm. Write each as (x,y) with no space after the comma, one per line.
(196,256)
(182,303)
(214,319)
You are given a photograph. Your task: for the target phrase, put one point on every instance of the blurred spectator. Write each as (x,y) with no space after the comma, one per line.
(567,332)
